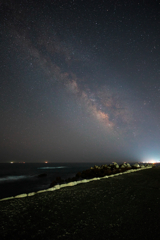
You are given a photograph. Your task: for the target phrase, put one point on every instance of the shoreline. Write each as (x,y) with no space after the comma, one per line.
(124,207)
(69,184)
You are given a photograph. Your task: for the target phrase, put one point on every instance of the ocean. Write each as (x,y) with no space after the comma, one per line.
(18,178)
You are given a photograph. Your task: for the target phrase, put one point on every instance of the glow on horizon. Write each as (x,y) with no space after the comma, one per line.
(152,161)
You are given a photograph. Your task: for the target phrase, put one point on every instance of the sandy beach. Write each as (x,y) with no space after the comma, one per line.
(122,207)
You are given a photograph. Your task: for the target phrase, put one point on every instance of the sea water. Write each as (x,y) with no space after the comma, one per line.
(18,178)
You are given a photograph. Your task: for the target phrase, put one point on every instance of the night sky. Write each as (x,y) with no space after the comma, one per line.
(79,80)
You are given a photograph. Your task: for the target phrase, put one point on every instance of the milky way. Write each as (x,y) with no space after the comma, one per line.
(96,65)
(103,103)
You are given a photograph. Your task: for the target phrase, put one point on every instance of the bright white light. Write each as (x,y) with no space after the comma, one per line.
(152,161)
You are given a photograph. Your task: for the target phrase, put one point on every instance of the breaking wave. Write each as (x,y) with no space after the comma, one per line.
(51,167)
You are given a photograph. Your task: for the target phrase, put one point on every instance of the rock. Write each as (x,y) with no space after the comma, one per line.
(123,169)
(97,172)
(78,174)
(42,175)
(74,179)
(53,184)
(125,165)
(116,166)
(84,174)
(153,165)
(100,171)
(57,181)
(128,165)
(95,166)
(104,166)
(136,165)
(142,166)
(68,180)
(115,170)
(108,172)
(89,173)
(98,167)
(147,165)
(122,166)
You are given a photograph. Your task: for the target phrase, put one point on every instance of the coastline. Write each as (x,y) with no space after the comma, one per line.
(122,207)
(70,184)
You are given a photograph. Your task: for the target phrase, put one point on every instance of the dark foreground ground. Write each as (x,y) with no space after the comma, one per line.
(122,207)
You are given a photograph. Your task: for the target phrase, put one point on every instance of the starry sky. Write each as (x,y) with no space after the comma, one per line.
(79,80)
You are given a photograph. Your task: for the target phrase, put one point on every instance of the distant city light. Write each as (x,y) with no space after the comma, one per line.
(46,162)
(11,162)
(152,161)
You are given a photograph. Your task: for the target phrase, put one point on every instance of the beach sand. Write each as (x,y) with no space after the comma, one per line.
(123,207)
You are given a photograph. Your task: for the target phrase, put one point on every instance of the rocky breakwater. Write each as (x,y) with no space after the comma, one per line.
(99,171)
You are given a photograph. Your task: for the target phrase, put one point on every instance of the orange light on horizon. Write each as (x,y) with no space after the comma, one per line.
(46,162)
(152,161)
